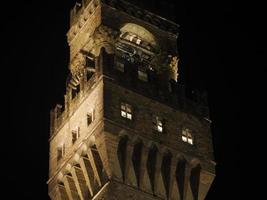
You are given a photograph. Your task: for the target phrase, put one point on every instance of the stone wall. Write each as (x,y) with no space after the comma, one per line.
(141,125)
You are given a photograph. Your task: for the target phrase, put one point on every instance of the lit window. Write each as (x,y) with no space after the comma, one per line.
(158,124)
(75,134)
(90,117)
(138,41)
(142,75)
(132,37)
(126,111)
(60,151)
(187,136)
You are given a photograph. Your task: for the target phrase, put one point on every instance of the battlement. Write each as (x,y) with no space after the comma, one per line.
(169,93)
(78,8)
(127,128)
(81,6)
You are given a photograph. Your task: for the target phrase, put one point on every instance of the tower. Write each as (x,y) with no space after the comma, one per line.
(127,130)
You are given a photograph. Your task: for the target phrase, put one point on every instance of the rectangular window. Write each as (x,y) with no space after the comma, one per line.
(142,76)
(90,117)
(187,136)
(138,41)
(126,111)
(158,124)
(60,151)
(75,134)
(90,62)
(119,66)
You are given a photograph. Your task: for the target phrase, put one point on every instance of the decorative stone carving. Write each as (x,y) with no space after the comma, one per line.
(166,64)
(77,63)
(102,37)
(174,67)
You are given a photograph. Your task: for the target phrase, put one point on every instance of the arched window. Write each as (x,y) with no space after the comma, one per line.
(194,180)
(136,159)
(151,164)
(165,170)
(137,34)
(180,176)
(121,152)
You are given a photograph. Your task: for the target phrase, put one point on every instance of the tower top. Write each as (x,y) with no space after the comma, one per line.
(125,7)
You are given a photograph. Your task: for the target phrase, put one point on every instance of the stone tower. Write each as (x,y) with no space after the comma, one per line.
(127,129)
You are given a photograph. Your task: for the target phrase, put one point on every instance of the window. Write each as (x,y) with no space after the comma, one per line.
(119,66)
(90,62)
(158,124)
(90,117)
(138,41)
(142,75)
(60,151)
(126,111)
(75,91)
(75,134)
(187,136)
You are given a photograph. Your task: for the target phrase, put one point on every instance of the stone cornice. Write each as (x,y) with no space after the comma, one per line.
(144,15)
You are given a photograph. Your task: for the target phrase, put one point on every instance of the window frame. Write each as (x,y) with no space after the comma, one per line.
(158,124)
(187,136)
(126,111)
(90,115)
(75,132)
(61,150)
(143,76)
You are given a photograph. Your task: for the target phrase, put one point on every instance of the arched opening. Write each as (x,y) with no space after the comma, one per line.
(134,51)
(107,59)
(136,159)
(194,180)
(151,164)
(121,153)
(165,170)
(91,174)
(137,33)
(99,165)
(180,176)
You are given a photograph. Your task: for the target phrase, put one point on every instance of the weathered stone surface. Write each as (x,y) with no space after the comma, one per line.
(95,152)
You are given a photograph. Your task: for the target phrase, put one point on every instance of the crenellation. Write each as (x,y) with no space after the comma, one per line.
(128,128)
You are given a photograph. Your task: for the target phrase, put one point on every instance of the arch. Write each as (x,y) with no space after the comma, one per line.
(121,153)
(151,164)
(166,170)
(180,176)
(139,31)
(194,180)
(136,159)
(99,165)
(103,44)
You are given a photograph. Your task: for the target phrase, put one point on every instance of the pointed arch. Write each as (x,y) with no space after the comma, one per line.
(180,176)
(151,164)
(194,180)
(136,159)
(121,153)
(99,165)
(166,170)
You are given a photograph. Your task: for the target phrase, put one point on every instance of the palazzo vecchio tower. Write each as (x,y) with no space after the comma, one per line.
(127,129)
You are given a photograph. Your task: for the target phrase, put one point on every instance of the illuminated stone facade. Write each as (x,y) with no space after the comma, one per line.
(126,129)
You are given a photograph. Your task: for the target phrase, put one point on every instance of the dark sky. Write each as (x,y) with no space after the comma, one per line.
(219,44)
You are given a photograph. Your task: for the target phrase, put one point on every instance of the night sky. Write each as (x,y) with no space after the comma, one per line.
(218,42)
